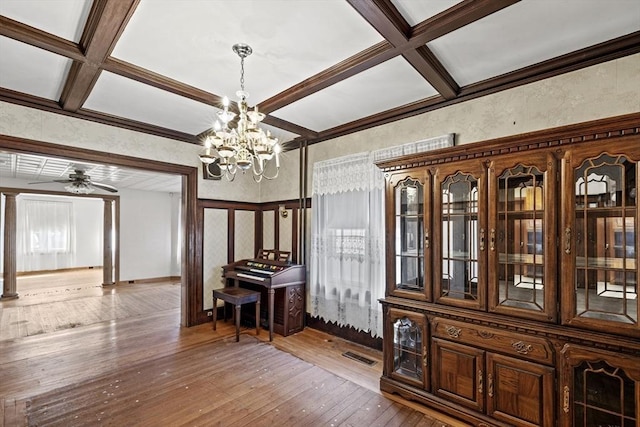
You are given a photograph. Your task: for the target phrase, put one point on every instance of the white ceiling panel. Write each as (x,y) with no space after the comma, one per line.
(388,85)
(191,41)
(27,69)
(35,168)
(65,19)
(321,67)
(417,11)
(122,97)
(529,32)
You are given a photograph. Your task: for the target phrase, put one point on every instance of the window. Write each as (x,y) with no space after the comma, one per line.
(47,227)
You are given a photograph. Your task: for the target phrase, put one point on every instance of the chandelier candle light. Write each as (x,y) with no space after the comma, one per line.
(245,147)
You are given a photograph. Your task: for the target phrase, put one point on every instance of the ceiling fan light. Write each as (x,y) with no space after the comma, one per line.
(79,188)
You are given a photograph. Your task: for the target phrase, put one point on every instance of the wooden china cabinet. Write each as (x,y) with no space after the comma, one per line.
(512,267)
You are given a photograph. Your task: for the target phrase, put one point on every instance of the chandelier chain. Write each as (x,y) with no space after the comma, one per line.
(242,73)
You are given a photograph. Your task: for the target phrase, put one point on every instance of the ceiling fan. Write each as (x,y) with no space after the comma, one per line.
(80,183)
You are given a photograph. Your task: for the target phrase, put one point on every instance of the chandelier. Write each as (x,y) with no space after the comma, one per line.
(240,144)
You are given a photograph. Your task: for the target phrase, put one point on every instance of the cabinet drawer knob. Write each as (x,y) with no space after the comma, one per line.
(453,332)
(522,347)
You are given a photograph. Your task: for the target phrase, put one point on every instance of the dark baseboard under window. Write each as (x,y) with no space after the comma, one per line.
(346,332)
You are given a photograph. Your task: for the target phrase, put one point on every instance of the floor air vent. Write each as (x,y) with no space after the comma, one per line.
(359,358)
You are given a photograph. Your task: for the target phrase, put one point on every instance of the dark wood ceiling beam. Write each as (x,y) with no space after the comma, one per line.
(454,18)
(385,18)
(159,81)
(106,22)
(362,61)
(48,105)
(426,63)
(458,16)
(142,75)
(290,127)
(40,39)
(603,52)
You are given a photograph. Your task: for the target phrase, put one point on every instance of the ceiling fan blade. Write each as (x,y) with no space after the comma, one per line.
(104,186)
(41,182)
(55,180)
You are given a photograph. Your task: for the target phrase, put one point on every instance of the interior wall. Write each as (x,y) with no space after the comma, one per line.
(244,235)
(176,234)
(146,247)
(215,252)
(147,244)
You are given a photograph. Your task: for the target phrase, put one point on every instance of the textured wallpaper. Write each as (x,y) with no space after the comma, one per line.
(268,239)
(214,253)
(286,231)
(244,235)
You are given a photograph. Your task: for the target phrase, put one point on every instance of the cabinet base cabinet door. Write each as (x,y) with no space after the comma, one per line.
(519,392)
(458,373)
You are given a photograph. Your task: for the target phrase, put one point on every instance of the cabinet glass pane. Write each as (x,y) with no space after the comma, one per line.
(409,244)
(603,395)
(606,239)
(518,238)
(460,237)
(407,349)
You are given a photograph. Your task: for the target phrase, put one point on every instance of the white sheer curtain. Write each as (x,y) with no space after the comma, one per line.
(45,238)
(347,274)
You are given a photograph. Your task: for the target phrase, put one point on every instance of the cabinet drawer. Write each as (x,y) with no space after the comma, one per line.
(525,347)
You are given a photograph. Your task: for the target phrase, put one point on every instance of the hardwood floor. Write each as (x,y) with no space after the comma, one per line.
(75,334)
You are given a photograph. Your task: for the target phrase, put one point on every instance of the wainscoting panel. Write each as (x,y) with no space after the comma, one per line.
(244,235)
(214,252)
(268,233)
(286,231)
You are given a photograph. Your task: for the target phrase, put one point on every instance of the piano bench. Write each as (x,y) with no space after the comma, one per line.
(237,297)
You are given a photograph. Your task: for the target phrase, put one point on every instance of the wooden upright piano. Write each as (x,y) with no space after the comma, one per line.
(282,285)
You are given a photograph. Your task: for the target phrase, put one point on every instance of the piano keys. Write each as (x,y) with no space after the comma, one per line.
(282,285)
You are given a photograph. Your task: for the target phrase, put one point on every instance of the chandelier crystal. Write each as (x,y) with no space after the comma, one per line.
(240,144)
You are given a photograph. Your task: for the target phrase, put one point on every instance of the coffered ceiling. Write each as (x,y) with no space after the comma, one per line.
(319,68)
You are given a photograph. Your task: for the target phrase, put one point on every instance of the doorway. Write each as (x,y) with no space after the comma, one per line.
(188,174)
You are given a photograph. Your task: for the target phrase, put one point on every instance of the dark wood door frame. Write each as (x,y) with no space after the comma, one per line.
(191,259)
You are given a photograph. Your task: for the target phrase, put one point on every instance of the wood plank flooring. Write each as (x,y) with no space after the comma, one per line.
(128,329)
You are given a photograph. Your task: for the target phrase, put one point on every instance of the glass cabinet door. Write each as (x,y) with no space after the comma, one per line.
(408,236)
(600,240)
(521,237)
(408,356)
(460,218)
(599,388)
